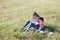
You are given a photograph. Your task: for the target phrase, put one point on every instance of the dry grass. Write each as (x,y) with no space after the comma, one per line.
(13,14)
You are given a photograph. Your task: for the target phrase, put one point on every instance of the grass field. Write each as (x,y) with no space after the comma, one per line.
(14,13)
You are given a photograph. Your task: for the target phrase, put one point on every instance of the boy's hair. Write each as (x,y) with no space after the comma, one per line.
(41,18)
(35,14)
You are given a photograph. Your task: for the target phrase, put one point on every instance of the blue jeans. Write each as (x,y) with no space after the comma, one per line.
(31,25)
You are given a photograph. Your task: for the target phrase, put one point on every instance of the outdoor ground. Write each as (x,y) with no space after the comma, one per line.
(14,13)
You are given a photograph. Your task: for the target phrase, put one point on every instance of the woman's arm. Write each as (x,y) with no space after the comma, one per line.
(33,21)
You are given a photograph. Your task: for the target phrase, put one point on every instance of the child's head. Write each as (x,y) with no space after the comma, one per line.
(41,19)
(35,15)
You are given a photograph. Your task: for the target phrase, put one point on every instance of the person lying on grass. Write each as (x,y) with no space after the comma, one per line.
(36,22)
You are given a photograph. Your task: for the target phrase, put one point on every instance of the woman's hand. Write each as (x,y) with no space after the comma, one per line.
(36,23)
(33,22)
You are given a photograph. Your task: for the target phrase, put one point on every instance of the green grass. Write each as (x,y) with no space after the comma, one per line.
(14,13)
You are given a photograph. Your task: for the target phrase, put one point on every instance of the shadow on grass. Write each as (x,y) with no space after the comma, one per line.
(51,29)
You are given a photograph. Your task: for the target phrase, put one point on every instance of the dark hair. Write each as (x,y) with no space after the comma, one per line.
(35,14)
(41,18)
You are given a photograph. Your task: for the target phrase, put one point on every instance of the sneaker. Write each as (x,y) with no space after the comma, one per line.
(41,32)
(26,32)
(21,30)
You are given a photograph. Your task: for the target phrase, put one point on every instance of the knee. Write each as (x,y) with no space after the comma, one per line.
(31,24)
(42,29)
(28,21)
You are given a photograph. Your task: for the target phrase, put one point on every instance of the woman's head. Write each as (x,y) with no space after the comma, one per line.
(35,15)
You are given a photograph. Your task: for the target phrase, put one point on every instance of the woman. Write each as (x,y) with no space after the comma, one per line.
(33,23)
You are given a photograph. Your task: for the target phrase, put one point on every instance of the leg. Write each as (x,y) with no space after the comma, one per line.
(36,27)
(28,22)
(31,25)
(41,30)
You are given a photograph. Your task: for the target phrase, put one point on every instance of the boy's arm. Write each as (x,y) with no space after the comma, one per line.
(41,24)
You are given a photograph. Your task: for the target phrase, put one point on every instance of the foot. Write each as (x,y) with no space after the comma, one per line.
(41,32)
(21,30)
(26,32)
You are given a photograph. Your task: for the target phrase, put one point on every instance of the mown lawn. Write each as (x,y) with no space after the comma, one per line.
(14,13)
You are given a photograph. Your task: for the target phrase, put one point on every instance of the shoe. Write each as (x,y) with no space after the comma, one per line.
(41,32)
(21,30)
(26,32)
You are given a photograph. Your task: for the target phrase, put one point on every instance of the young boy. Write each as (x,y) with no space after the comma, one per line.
(41,25)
